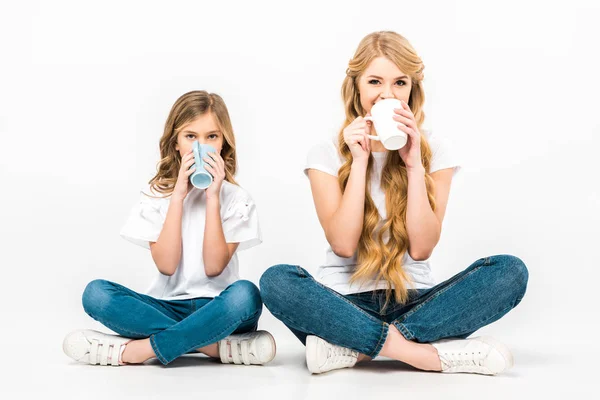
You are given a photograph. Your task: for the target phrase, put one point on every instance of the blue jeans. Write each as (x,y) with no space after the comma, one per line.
(475,297)
(175,327)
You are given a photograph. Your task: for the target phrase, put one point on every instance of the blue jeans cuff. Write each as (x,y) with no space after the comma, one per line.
(385,327)
(160,357)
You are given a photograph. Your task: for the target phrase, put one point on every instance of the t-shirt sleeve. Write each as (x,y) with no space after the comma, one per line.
(145,221)
(323,157)
(442,155)
(240,222)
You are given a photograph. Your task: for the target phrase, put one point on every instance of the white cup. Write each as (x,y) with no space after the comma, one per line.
(382,116)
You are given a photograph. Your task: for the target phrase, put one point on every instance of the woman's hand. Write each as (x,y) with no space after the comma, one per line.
(411,152)
(357,139)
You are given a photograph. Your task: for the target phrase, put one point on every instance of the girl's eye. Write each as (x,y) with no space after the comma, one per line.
(401,83)
(373,82)
(190,136)
(212,136)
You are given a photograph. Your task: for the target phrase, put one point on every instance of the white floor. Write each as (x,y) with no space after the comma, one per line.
(544,367)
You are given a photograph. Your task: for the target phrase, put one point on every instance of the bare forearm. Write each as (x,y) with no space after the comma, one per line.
(214,248)
(345,226)
(166,252)
(422,225)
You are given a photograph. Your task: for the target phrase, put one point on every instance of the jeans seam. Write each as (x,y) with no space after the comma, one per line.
(437,294)
(404,331)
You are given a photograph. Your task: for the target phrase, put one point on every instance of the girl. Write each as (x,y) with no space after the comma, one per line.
(382,214)
(197,302)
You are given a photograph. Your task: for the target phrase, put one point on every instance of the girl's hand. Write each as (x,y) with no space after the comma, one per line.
(183,185)
(216,167)
(411,152)
(355,136)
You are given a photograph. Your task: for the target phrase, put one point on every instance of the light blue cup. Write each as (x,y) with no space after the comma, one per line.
(201,178)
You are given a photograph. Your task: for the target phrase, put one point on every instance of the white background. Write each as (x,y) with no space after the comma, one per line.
(85,88)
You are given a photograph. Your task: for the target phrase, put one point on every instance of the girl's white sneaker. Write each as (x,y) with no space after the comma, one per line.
(94,347)
(252,348)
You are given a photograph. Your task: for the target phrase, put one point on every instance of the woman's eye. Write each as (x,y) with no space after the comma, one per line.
(213,136)
(190,136)
(400,83)
(373,81)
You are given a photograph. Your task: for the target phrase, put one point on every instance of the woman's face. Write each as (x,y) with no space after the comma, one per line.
(203,129)
(382,80)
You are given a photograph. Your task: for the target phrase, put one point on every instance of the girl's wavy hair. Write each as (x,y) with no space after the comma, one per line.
(379,259)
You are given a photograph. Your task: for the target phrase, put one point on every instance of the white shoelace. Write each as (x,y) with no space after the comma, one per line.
(341,355)
(104,352)
(464,359)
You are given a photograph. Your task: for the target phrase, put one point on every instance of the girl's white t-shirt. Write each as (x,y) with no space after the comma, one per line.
(337,271)
(240,225)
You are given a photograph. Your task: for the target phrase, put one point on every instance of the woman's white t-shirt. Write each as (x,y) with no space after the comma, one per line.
(240,225)
(337,271)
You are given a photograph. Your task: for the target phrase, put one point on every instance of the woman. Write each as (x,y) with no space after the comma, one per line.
(382,214)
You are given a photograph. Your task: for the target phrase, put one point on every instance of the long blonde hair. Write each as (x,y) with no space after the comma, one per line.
(376,258)
(186,109)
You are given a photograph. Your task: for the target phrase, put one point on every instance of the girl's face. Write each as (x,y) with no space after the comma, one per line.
(382,80)
(203,129)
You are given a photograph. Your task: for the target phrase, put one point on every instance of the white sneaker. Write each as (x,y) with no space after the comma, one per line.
(322,356)
(479,355)
(247,348)
(95,347)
